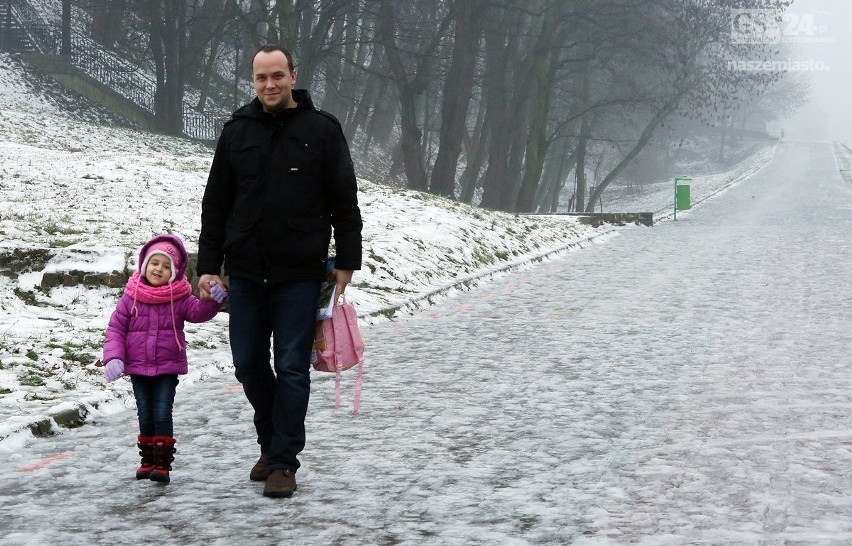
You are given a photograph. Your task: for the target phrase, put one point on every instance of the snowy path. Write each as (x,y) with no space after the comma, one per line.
(686,383)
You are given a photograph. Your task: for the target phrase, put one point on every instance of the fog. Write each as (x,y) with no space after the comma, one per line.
(823,29)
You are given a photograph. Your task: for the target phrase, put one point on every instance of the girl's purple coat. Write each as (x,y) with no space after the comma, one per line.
(145,339)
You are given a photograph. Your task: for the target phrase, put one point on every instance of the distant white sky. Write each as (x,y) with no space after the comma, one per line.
(829,114)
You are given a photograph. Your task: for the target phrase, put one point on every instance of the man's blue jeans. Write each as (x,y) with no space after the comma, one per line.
(287,313)
(155,398)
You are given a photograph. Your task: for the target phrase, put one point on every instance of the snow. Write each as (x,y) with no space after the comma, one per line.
(541,381)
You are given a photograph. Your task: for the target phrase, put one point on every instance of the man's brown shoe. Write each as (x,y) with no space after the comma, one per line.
(259,472)
(280,483)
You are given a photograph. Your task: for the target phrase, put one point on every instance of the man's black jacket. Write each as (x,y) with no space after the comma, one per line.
(277,187)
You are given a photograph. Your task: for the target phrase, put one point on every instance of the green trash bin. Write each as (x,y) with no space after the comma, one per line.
(682,197)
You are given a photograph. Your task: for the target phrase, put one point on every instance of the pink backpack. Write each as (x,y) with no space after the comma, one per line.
(338,346)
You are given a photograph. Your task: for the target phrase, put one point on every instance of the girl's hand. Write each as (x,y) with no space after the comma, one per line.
(218,292)
(113,369)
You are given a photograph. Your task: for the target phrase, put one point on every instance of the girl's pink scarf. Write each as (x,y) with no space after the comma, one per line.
(139,290)
(168,293)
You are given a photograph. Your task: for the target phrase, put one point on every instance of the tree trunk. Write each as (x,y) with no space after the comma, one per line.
(354,55)
(537,143)
(533,102)
(502,48)
(313,42)
(333,60)
(206,31)
(580,169)
(384,114)
(643,140)
(108,22)
(514,167)
(458,87)
(167,24)
(287,17)
(555,172)
(156,37)
(207,73)
(475,157)
(65,48)
(585,130)
(367,101)
(410,137)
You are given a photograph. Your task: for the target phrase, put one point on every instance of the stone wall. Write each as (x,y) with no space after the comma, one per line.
(618,218)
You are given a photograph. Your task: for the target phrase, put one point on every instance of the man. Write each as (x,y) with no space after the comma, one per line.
(280,180)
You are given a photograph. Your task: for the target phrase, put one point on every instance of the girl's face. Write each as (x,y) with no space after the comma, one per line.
(159,270)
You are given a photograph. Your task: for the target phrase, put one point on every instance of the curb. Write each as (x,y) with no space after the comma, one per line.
(429,298)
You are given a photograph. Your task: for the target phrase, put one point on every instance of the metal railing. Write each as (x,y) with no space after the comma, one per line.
(41,36)
(112,71)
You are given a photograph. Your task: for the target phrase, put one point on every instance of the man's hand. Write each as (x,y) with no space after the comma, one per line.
(204,285)
(341,277)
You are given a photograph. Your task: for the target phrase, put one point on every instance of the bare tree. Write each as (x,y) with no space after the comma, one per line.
(167,27)
(410,79)
(108,20)
(458,87)
(688,58)
(510,97)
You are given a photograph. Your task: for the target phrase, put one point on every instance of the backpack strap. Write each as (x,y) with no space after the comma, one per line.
(358,344)
(337,402)
(338,361)
(358,382)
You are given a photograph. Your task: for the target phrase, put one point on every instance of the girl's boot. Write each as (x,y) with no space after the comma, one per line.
(146,450)
(164,454)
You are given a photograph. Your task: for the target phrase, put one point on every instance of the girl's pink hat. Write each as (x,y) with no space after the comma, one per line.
(166,249)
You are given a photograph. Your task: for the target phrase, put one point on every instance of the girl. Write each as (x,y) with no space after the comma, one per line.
(145,340)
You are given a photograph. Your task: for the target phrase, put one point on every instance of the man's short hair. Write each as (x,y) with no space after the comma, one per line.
(269,48)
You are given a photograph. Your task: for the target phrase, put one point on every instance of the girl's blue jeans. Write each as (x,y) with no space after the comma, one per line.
(155,398)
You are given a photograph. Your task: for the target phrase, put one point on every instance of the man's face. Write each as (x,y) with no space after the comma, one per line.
(273,81)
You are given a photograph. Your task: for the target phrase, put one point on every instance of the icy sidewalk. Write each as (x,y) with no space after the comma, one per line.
(50,338)
(688,383)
